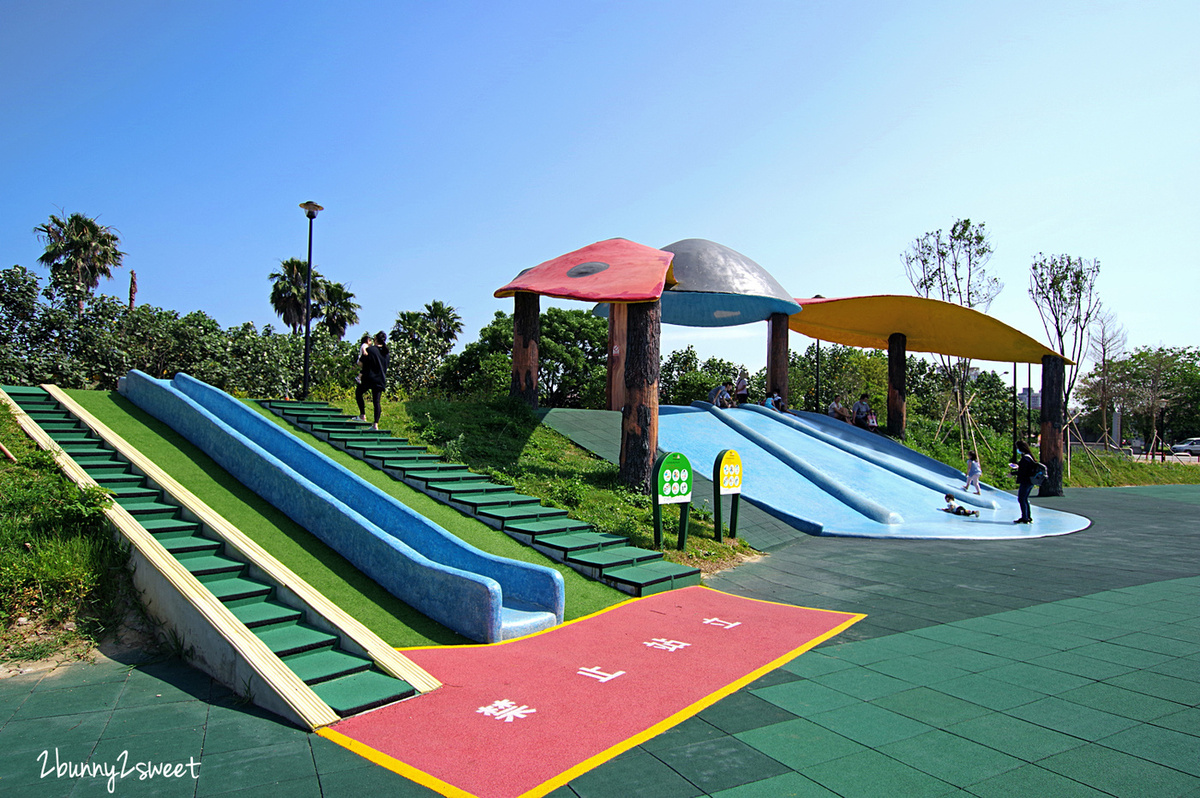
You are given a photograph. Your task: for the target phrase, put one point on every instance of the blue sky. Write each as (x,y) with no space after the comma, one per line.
(454,144)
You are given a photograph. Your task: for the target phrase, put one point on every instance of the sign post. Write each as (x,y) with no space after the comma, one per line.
(673,485)
(727,479)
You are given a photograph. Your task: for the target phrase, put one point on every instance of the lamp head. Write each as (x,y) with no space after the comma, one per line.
(311,209)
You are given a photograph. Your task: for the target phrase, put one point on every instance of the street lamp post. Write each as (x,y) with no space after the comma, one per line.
(310,210)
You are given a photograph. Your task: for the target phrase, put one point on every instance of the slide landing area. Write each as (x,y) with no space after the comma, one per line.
(826,477)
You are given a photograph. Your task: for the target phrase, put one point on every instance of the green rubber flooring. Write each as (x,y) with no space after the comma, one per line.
(1065,666)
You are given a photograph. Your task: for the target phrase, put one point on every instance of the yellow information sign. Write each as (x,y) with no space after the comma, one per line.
(730,472)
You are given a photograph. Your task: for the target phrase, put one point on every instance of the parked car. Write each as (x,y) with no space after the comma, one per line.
(1190,446)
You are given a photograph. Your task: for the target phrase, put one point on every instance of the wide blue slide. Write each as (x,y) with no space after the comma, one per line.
(479,595)
(826,477)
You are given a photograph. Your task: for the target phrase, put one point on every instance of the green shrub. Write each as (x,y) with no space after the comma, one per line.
(59,563)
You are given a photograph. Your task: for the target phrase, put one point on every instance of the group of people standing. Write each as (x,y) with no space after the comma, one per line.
(733,393)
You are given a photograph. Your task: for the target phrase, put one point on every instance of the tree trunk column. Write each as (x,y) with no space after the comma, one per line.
(639,415)
(618,316)
(527,329)
(777,355)
(1053,417)
(897,395)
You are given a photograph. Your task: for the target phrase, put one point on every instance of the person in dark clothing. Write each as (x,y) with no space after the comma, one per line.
(1024,468)
(374,377)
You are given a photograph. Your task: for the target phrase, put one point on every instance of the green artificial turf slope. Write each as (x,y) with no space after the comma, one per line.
(583,596)
(322,567)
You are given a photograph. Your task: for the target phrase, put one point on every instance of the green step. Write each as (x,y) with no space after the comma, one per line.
(341,427)
(324,664)
(478,501)
(57,421)
(91,445)
(612,557)
(359,692)
(448,474)
(233,588)
(257,612)
(137,491)
(157,524)
(103,460)
(413,456)
(102,467)
(521,512)
(563,544)
(292,638)
(316,418)
(64,438)
(380,449)
(118,478)
(182,541)
(652,577)
(365,435)
(453,489)
(539,527)
(203,564)
(311,409)
(147,506)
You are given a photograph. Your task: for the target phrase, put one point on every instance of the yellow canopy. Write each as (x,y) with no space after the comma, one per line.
(929,325)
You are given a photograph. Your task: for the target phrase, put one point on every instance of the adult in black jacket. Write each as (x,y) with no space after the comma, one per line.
(1026,467)
(374,377)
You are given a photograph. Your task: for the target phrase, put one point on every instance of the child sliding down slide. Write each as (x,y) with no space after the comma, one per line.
(957,509)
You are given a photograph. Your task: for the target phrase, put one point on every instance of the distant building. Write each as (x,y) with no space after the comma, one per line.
(1030,399)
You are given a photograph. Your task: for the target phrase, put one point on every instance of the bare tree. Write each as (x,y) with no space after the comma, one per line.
(1108,340)
(953,269)
(1064,290)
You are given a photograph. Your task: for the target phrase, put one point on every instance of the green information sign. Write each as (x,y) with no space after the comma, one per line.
(674,479)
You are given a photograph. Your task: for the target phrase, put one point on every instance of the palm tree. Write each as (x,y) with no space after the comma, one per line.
(339,310)
(79,251)
(287,293)
(445,320)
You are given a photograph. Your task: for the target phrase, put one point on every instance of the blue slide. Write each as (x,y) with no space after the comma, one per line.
(827,477)
(481,596)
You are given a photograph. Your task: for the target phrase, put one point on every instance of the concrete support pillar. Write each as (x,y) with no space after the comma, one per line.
(777,355)
(618,315)
(897,395)
(1053,420)
(527,329)
(639,415)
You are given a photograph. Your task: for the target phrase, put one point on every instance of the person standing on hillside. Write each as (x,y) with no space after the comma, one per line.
(741,389)
(374,377)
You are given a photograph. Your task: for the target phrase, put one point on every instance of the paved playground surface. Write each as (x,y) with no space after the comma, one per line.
(1057,666)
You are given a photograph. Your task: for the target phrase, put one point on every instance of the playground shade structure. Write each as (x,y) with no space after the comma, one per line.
(481,596)
(827,477)
(616,270)
(929,325)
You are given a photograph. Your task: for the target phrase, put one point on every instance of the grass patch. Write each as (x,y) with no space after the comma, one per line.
(1108,470)
(504,440)
(63,582)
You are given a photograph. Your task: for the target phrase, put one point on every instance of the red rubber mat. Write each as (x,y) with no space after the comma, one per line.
(523,717)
